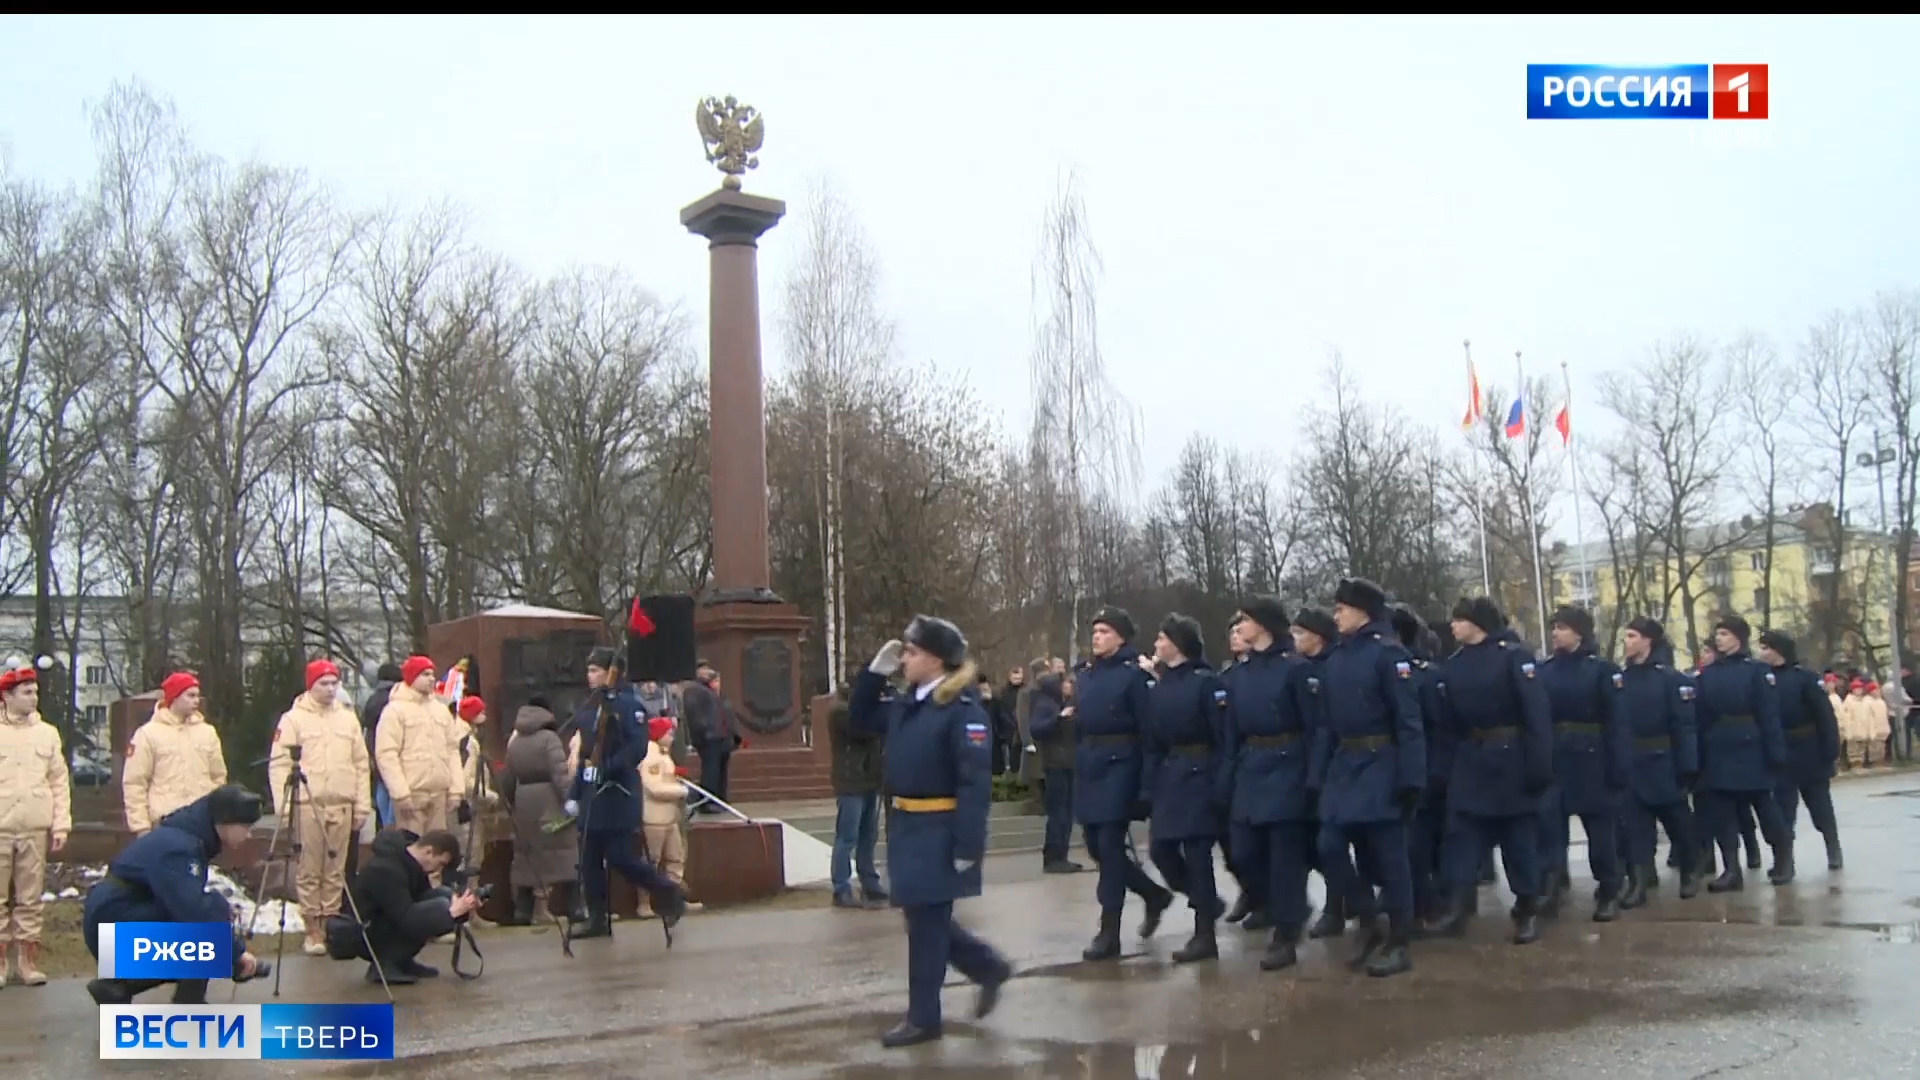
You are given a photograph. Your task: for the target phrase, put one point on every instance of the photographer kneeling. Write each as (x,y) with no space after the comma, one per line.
(403,909)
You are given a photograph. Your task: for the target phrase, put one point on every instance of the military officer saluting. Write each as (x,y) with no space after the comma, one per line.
(1742,752)
(1111,785)
(1371,768)
(939,773)
(1813,741)
(1186,767)
(1666,759)
(1502,732)
(1592,757)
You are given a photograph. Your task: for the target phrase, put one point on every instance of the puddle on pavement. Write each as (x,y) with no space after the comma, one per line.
(1893,933)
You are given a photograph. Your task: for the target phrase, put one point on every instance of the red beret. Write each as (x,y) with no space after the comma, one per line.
(176,684)
(659,728)
(321,669)
(471,707)
(17,677)
(415,667)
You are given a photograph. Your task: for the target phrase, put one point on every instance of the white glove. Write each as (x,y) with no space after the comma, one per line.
(589,774)
(961,866)
(572,808)
(1032,749)
(887,660)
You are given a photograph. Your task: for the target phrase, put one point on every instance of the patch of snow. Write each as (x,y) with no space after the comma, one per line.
(47,898)
(69,893)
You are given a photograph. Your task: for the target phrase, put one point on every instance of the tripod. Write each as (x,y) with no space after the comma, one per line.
(289,821)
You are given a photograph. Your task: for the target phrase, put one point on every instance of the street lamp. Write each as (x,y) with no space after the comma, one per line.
(1878,460)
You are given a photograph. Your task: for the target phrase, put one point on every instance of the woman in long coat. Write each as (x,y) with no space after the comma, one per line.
(535,785)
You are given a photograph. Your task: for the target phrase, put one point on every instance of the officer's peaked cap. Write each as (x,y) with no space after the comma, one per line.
(1184,632)
(1268,612)
(231,804)
(939,637)
(1482,612)
(1407,625)
(1361,593)
(1115,619)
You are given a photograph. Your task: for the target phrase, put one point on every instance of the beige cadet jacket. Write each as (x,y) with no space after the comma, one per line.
(661,786)
(34,797)
(417,746)
(170,763)
(333,755)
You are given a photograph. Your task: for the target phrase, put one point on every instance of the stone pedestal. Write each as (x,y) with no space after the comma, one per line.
(518,651)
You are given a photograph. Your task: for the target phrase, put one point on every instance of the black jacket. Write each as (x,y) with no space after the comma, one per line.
(856,755)
(391,883)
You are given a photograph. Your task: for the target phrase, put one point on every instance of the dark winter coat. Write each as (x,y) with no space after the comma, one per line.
(856,754)
(535,785)
(386,889)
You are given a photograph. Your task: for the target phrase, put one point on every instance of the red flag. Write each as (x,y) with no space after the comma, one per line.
(1563,423)
(638,623)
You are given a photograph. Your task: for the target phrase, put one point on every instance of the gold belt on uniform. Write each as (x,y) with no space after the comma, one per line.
(1489,734)
(1197,749)
(934,805)
(1804,731)
(1741,719)
(1578,728)
(1287,738)
(1654,742)
(1367,742)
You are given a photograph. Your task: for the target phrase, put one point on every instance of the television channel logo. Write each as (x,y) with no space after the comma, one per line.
(1658,92)
(247,1032)
(166,951)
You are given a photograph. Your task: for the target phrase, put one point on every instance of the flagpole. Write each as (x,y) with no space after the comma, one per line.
(1573,470)
(1526,504)
(1473,483)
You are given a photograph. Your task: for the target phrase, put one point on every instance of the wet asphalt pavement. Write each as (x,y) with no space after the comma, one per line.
(1817,979)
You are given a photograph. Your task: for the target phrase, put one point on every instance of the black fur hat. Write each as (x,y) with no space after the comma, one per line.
(1482,612)
(1736,626)
(1577,619)
(1781,643)
(1268,612)
(1407,625)
(1317,622)
(604,657)
(1184,632)
(1115,619)
(938,637)
(1363,594)
(1648,627)
(231,804)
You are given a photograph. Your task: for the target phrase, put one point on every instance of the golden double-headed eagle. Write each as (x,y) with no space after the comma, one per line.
(732,133)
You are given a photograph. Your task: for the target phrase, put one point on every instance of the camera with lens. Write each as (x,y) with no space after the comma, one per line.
(484,892)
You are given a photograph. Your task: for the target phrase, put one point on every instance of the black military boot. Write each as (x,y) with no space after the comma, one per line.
(1606,902)
(1752,842)
(1372,937)
(1782,872)
(1157,905)
(1331,923)
(1636,894)
(1459,912)
(1652,878)
(597,924)
(1242,907)
(1202,945)
(1106,944)
(1552,895)
(1283,951)
(1526,920)
(1393,959)
(119,991)
(1730,880)
(1834,859)
(905,1033)
(522,908)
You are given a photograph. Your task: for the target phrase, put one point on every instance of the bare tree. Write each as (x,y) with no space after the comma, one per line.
(837,341)
(1514,511)
(1755,366)
(1892,345)
(1085,433)
(1837,414)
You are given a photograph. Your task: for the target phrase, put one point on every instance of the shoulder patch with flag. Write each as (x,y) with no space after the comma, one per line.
(1770,679)
(1527,669)
(1313,684)
(1686,692)
(1220,698)
(1619,681)
(1405,669)
(977,734)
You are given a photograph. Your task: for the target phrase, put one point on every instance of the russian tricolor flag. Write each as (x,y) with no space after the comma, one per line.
(1517,416)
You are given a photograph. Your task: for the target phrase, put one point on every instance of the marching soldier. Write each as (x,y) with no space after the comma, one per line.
(607,798)
(939,771)
(1502,730)
(417,749)
(1813,742)
(1314,635)
(1269,728)
(1372,768)
(1185,766)
(173,759)
(1742,751)
(1429,824)
(1248,903)
(1658,702)
(1111,789)
(35,817)
(336,800)
(1592,759)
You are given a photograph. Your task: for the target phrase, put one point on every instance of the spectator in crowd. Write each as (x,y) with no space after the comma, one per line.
(403,909)
(546,845)
(384,681)
(713,730)
(1007,718)
(1051,723)
(1856,725)
(856,823)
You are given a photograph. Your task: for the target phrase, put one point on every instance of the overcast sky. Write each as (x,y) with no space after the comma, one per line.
(1262,190)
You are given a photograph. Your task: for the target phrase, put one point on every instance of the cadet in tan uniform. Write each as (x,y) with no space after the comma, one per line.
(34,815)
(336,800)
(417,749)
(173,759)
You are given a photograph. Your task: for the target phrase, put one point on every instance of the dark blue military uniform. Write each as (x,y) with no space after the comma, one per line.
(1658,702)
(1425,842)
(162,877)
(1812,735)
(1742,756)
(939,780)
(1502,732)
(1187,778)
(608,791)
(1592,762)
(1370,765)
(1110,783)
(1274,819)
